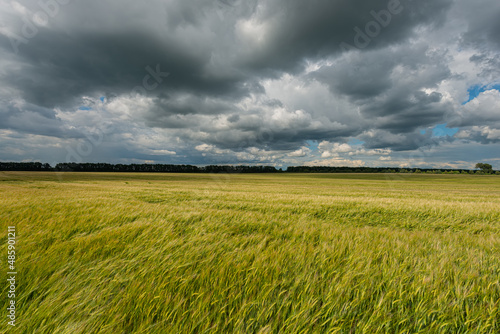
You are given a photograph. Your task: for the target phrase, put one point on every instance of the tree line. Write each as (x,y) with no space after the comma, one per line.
(168,168)
(132,168)
(327,169)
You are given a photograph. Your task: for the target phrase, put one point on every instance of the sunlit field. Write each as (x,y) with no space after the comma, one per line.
(256,253)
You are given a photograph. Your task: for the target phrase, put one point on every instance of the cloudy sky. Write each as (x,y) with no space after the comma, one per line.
(268,82)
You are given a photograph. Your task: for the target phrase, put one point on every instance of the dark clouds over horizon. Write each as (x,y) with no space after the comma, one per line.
(253,82)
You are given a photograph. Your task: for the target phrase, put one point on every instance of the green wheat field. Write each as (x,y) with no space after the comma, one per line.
(255,253)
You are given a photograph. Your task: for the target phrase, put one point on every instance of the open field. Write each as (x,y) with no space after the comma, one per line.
(255,253)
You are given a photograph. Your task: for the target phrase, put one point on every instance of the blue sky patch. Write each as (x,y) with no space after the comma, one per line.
(441,130)
(354,142)
(474,91)
(312,144)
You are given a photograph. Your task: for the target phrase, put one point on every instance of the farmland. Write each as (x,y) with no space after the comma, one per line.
(255,253)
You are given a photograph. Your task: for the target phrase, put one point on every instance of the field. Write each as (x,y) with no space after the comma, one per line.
(256,253)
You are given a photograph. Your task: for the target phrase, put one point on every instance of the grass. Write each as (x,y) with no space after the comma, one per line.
(286,253)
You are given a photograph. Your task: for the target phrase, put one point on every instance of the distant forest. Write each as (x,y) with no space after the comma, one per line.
(162,168)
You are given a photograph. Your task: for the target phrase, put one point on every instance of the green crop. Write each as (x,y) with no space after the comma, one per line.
(257,253)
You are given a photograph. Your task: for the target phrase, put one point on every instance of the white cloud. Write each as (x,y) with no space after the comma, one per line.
(336,162)
(328,149)
(302,152)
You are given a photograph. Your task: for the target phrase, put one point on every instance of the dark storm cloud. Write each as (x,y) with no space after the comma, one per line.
(388,86)
(381,139)
(206,70)
(483,35)
(91,53)
(401,115)
(190,104)
(89,64)
(483,26)
(295,29)
(32,119)
(269,138)
(488,63)
(365,75)
(82,58)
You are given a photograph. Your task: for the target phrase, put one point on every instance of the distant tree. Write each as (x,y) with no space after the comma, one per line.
(485,168)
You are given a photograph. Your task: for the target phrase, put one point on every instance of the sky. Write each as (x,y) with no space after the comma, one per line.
(256,82)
